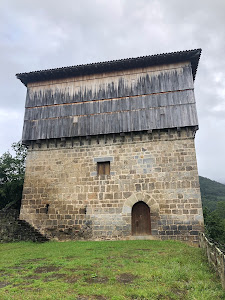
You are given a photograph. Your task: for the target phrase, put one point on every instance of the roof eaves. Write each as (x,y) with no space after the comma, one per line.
(107,66)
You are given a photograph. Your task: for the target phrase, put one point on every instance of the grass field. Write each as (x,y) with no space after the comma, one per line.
(106,270)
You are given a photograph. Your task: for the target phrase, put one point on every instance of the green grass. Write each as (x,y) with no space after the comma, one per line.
(106,270)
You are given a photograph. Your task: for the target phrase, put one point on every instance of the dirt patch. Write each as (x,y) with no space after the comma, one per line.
(97,279)
(72,270)
(18,267)
(47,269)
(4,284)
(53,277)
(70,279)
(31,277)
(25,283)
(79,268)
(126,278)
(4,273)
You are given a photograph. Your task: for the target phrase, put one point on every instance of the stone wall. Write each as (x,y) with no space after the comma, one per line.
(14,230)
(64,197)
(215,257)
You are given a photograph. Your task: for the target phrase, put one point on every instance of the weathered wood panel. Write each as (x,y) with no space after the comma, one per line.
(152,99)
(111,87)
(124,121)
(114,105)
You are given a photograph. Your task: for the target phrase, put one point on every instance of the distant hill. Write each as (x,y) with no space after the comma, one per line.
(212,192)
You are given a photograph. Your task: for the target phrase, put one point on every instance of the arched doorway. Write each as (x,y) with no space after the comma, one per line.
(141,221)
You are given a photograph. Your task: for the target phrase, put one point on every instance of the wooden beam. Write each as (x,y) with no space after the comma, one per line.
(72,141)
(149,134)
(26,143)
(63,140)
(194,130)
(38,142)
(122,134)
(88,138)
(132,135)
(159,132)
(187,132)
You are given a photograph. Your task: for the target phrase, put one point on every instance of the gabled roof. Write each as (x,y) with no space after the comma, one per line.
(113,65)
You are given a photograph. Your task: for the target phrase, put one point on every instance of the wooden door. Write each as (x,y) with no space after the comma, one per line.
(141,222)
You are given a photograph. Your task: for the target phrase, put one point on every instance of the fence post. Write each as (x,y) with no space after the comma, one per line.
(215,256)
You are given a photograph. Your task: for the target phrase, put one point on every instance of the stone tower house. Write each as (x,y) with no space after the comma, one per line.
(111,151)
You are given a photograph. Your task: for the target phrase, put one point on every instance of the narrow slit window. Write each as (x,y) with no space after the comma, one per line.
(103,168)
(46,207)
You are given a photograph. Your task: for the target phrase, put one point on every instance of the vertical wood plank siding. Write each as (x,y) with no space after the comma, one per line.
(134,102)
(179,78)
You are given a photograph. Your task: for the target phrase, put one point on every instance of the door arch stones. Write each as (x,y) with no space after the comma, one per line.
(135,197)
(147,199)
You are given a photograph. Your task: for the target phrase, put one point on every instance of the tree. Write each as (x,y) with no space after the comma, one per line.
(215,224)
(12,170)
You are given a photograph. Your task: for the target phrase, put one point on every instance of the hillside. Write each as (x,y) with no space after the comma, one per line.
(212,192)
(116,270)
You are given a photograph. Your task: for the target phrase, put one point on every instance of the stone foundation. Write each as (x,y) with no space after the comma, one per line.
(64,197)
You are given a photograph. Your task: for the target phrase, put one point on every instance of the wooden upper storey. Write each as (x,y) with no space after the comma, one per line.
(159,96)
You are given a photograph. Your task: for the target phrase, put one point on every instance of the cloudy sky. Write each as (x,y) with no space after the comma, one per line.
(42,34)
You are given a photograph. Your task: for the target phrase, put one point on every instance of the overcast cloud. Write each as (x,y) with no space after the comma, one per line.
(37,35)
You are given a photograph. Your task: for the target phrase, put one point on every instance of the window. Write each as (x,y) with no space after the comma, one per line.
(103,168)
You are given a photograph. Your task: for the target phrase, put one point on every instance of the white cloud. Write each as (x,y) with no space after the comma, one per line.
(37,35)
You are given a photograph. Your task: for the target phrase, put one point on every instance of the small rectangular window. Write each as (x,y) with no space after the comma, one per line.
(103,168)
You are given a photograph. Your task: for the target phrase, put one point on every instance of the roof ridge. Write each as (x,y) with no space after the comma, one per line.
(47,74)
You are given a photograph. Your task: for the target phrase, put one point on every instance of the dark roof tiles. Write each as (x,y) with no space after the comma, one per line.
(114,65)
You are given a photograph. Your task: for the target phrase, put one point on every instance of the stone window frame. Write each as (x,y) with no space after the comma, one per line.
(96,160)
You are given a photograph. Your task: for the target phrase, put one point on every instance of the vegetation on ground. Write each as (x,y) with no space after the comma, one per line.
(106,270)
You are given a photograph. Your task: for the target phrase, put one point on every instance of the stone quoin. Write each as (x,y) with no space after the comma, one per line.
(111,151)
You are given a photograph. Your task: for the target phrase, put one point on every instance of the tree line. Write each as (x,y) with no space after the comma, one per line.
(12,170)
(213,201)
